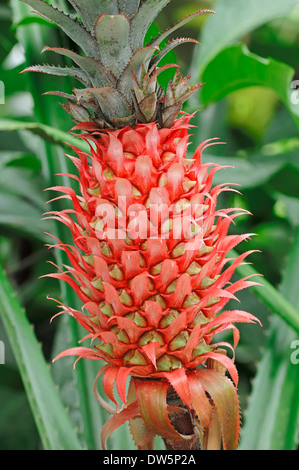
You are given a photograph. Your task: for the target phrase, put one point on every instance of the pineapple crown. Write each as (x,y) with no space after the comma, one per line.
(118,71)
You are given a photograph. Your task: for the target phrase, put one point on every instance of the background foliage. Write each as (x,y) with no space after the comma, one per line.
(249,60)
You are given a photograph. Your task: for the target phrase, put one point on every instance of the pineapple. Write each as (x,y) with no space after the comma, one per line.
(150,248)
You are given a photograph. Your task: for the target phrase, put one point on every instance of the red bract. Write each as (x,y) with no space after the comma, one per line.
(149,262)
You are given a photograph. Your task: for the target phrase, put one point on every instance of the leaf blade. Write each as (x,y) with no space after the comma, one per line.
(48,133)
(51,418)
(70,26)
(272,416)
(234,20)
(240,68)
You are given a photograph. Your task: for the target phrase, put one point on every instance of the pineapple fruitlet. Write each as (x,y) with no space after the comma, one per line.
(149,258)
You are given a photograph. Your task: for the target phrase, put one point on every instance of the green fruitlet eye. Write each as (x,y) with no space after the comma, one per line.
(168,363)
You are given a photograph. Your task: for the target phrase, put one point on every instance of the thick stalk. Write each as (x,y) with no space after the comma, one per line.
(184,422)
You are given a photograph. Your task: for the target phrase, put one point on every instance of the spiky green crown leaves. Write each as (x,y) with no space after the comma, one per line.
(119,73)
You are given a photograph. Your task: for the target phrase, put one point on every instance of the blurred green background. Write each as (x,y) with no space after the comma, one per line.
(249,61)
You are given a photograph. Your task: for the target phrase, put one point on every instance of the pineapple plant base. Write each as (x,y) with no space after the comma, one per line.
(150,247)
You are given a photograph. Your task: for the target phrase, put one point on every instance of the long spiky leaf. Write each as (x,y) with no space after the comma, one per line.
(89,10)
(145,16)
(73,28)
(165,34)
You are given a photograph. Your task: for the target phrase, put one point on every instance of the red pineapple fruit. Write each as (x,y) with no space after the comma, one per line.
(149,258)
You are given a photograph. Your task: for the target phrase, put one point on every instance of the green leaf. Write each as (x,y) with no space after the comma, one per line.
(113,102)
(33,20)
(256,169)
(129,7)
(70,26)
(170,58)
(30,162)
(286,181)
(239,69)
(17,426)
(21,183)
(89,10)
(274,299)
(71,382)
(51,418)
(291,205)
(143,19)
(234,21)
(112,34)
(50,134)
(169,47)
(94,69)
(74,72)
(271,420)
(19,215)
(162,36)
(141,58)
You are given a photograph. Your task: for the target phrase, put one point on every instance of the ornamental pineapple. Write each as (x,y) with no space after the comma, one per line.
(149,258)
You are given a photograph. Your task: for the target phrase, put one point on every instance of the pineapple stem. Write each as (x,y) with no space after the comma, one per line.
(183,422)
